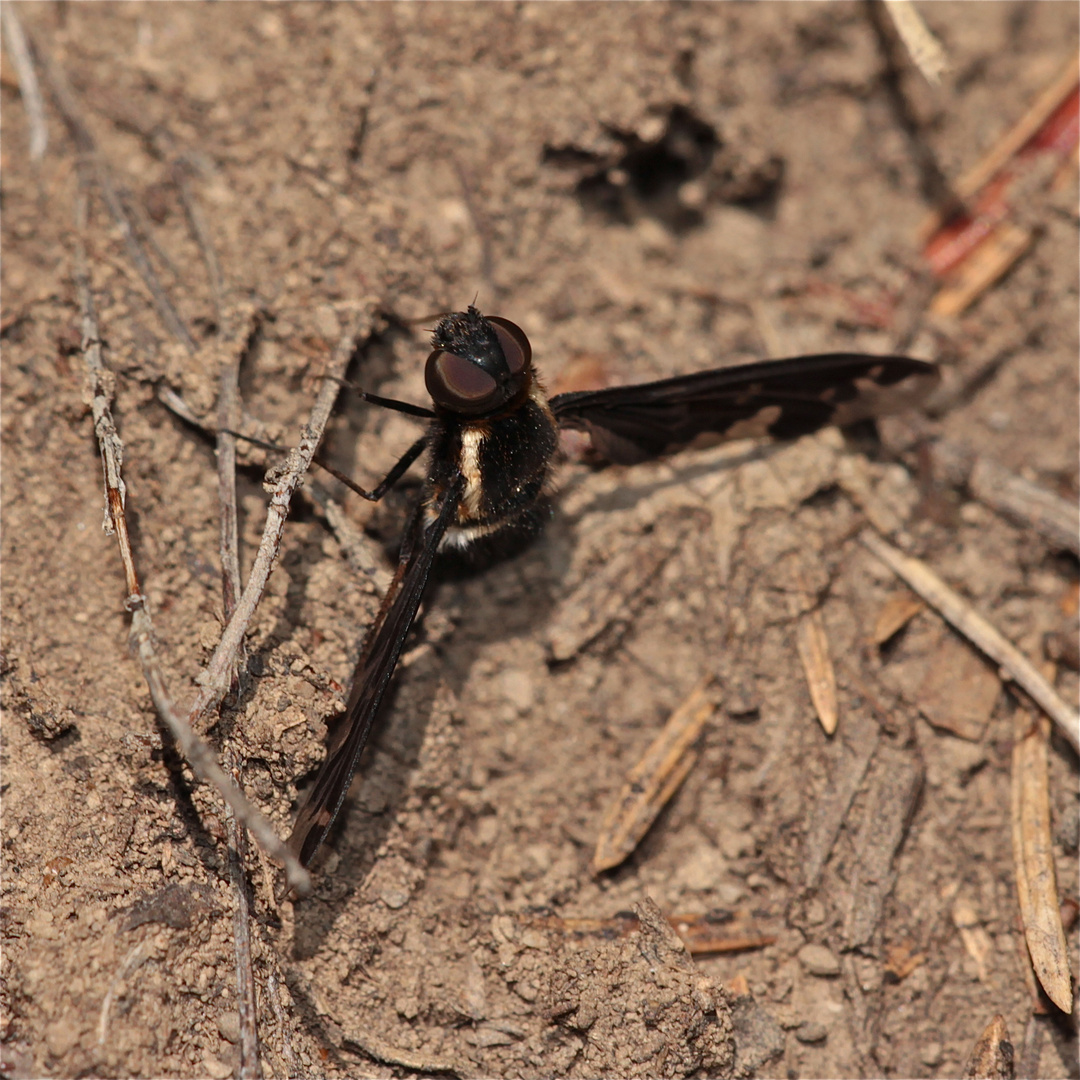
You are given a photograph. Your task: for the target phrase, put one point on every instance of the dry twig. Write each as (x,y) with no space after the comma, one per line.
(162,145)
(92,161)
(955,610)
(1052,517)
(197,753)
(379,1050)
(832,805)
(29,88)
(1009,145)
(893,790)
(703,935)
(970,247)
(292,1062)
(924,49)
(250,1066)
(217,675)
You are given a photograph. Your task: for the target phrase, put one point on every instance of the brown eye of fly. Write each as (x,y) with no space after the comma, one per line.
(515,345)
(463,379)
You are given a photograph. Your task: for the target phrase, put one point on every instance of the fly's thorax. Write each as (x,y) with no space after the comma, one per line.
(504,460)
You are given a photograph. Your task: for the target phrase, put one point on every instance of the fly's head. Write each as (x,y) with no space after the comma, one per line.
(480,364)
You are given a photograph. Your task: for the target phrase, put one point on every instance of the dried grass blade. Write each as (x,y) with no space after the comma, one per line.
(813,645)
(1033,853)
(653,780)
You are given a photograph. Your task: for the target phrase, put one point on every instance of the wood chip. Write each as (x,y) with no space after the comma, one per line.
(1033,853)
(959,688)
(992,1055)
(704,935)
(955,610)
(654,779)
(897,611)
(813,646)
(900,961)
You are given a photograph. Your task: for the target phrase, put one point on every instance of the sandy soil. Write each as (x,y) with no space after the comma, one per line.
(647,189)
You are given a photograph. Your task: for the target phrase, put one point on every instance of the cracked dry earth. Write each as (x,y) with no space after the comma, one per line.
(647,189)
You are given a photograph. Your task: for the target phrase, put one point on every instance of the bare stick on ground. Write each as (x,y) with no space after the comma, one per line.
(955,610)
(250,1066)
(199,755)
(29,88)
(217,676)
(87,146)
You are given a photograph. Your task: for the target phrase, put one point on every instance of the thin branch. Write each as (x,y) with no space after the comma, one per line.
(924,49)
(228,411)
(250,1066)
(201,232)
(29,88)
(176,404)
(1016,498)
(216,677)
(141,638)
(163,146)
(955,610)
(69,109)
(292,1062)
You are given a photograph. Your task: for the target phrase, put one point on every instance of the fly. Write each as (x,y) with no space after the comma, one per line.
(491,446)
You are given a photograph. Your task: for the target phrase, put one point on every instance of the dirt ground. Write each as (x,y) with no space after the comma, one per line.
(647,189)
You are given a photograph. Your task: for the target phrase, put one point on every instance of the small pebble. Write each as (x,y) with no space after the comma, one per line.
(811,1032)
(931,1054)
(394,898)
(819,960)
(62,1036)
(228,1024)
(215,1068)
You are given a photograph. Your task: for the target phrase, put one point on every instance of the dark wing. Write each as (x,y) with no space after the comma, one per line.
(780,398)
(373,673)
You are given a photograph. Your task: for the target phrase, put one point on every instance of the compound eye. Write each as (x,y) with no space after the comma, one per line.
(515,345)
(457,383)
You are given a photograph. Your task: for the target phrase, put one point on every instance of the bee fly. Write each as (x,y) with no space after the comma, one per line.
(491,443)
